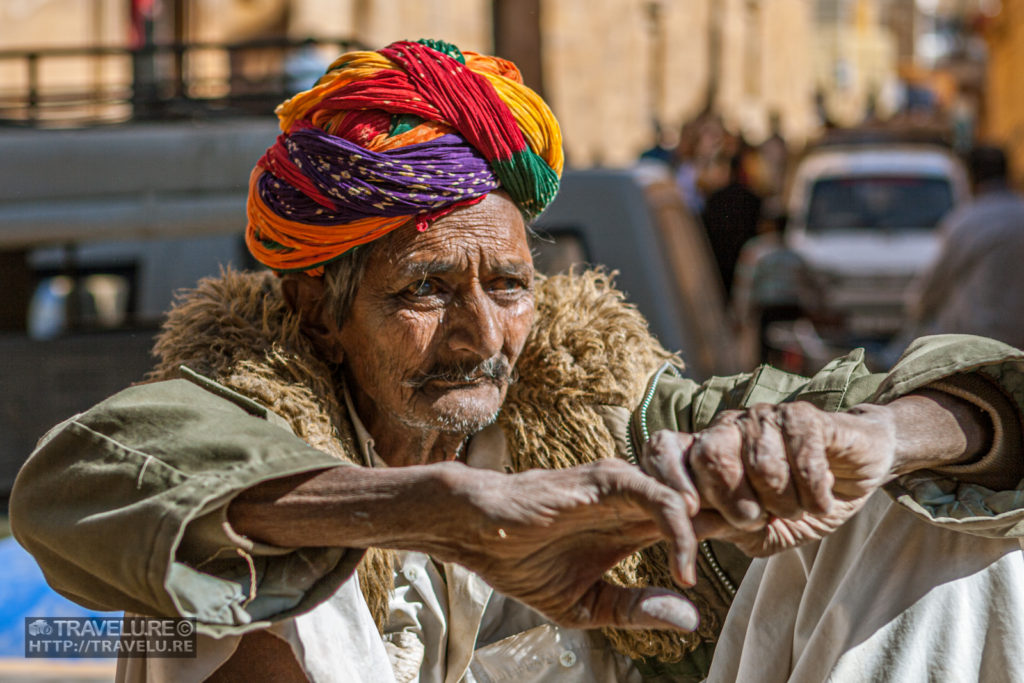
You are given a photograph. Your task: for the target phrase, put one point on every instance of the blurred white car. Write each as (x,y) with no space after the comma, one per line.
(864,218)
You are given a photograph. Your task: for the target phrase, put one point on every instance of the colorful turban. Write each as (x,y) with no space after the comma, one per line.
(414,130)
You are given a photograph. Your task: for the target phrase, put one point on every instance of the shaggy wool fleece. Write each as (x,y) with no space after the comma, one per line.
(588,349)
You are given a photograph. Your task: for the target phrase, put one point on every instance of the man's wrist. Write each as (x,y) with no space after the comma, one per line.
(469,517)
(934,429)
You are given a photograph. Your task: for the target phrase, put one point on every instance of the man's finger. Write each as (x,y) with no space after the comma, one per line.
(716,461)
(669,510)
(634,608)
(664,458)
(804,437)
(767,465)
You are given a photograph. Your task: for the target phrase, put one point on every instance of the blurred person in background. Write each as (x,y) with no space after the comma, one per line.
(701,158)
(774,157)
(772,282)
(976,285)
(661,151)
(687,167)
(731,215)
(400,456)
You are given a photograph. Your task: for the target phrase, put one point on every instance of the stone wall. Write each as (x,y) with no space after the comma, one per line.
(1003,116)
(610,67)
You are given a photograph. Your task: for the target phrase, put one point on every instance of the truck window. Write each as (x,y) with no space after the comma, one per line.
(878,203)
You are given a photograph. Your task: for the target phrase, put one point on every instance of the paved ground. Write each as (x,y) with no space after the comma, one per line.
(55,671)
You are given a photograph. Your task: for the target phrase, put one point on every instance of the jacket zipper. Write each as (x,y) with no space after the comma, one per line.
(633,441)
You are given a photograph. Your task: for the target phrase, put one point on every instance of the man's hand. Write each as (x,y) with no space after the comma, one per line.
(775,476)
(544,538)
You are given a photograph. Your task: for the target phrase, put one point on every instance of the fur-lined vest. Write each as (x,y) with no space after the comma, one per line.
(588,351)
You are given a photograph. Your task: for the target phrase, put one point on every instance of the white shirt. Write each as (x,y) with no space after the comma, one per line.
(887,597)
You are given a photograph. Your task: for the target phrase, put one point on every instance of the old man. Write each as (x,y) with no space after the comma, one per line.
(408,457)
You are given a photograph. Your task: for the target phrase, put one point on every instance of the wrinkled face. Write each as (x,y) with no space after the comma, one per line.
(440,317)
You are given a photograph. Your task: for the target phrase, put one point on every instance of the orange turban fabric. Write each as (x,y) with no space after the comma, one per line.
(411,131)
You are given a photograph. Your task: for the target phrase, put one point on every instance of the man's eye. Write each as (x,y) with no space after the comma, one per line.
(422,288)
(506,284)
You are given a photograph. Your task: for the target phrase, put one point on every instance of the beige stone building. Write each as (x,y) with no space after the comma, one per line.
(856,58)
(614,66)
(1003,110)
(609,68)
(33,24)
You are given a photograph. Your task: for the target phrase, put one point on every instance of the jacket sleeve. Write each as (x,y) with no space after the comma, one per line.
(991,375)
(124,507)
(983,371)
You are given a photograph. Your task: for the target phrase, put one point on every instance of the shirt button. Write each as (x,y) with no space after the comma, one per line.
(567,658)
(411,573)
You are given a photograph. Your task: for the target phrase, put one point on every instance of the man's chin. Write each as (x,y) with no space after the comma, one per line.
(464,409)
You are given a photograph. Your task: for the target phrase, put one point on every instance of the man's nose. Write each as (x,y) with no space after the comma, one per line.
(474,325)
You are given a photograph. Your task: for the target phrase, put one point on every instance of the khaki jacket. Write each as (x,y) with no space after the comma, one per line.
(124,506)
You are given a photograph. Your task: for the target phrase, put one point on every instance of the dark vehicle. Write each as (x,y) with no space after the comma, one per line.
(635,222)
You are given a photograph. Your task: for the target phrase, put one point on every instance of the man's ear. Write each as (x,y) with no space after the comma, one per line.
(306,296)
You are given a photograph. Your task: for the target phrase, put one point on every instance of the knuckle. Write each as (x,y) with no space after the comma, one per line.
(812,470)
(662,445)
(801,414)
(663,439)
(719,456)
(704,459)
(746,514)
(726,417)
(686,544)
(675,504)
(731,474)
(608,475)
(723,439)
(770,473)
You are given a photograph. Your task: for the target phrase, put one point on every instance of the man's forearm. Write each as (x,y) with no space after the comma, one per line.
(933,429)
(967,429)
(404,507)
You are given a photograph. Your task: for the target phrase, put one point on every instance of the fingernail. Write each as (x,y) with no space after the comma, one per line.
(692,504)
(672,610)
(687,571)
(689,574)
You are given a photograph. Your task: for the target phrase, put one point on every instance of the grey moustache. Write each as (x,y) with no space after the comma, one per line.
(496,368)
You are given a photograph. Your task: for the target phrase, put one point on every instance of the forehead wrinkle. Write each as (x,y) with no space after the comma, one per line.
(426,268)
(484,234)
(447,253)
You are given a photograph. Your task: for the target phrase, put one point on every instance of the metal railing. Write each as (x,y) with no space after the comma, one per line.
(84,86)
